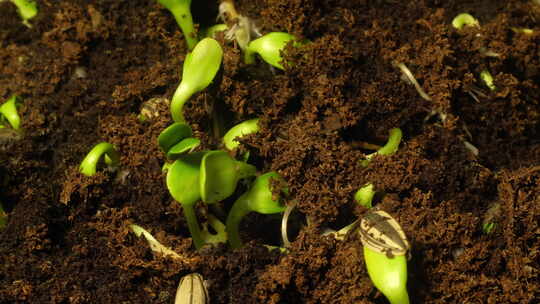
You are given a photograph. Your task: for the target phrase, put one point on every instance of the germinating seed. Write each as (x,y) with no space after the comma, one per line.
(192,290)
(381,232)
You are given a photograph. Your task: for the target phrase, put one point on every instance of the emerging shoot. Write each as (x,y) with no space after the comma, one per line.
(269,47)
(385,248)
(486,77)
(364,196)
(464,19)
(394,139)
(107,151)
(27,9)
(244,128)
(200,68)
(182,13)
(9,115)
(260,198)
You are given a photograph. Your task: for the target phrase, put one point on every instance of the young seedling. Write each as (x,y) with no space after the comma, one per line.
(176,140)
(182,13)
(269,47)
(394,139)
(364,196)
(220,174)
(9,115)
(183,184)
(242,129)
(89,164)
(211,32)
(521,30)
(486,77)
(464,19)
(260,198)
(385,248)
(27,9)
(200,68)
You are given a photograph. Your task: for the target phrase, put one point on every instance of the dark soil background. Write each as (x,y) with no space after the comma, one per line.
(85,69)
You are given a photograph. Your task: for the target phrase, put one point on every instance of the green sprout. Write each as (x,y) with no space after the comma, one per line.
(389,275)
(200,68)
(394,139)
(220,174)
(175,140)
(209,176)
(107,151)
(27,9)
(385,249)
(464,19)
(269,47)
(364,195)
(182,13)
(259,198)
(486,77)
(488,228)
(9,115)
(242,129)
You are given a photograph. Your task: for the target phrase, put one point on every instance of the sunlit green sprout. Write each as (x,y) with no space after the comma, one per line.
(269,47)
(464,19)
(200,68)
(183,184)
(209,176)
(364,195)
(385,249)
(394,139)
(242,129)
(488,228)
(260,198)
(182,13)
(111,157)
(220,174)
(176,140)
(9,115)
(486,77)
(27,9)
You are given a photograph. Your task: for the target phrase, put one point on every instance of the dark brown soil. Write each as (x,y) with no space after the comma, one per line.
(67,239)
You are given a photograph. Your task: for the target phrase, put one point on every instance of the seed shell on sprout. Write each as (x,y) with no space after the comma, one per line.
(380,232)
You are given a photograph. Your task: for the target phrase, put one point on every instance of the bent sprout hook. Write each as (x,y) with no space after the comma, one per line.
(269,47)
(107,151)
(242,129)
(259,198)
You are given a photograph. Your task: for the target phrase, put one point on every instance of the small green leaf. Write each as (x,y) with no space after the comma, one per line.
(364,195)
(220,174)
(183,178)
(261,198)
(27,9)
(269,47)
(200,68)
(172,135)
(186,145)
